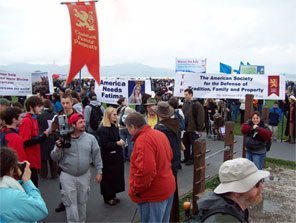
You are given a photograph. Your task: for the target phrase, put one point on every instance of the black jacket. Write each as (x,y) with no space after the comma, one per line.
(217,208)
(170,127)
(113,163)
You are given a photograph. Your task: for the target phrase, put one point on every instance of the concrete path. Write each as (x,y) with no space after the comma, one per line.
(97,211)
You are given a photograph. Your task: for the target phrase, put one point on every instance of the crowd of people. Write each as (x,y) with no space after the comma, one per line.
(72,130)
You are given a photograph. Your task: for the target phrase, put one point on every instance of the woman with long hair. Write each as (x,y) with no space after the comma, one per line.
(257,135)
(136,96)
(112,156)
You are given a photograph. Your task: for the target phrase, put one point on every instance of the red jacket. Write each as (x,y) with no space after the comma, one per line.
(263,132)
(27,130)
(151,177)
(15,142)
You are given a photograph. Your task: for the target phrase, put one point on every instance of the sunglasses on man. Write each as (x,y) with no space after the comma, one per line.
(259,182)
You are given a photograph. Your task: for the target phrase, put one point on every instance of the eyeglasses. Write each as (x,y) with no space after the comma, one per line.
(259,182)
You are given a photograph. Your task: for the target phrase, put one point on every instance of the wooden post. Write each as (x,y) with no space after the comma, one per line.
(248,112)
(228,140)
(199,171)
(265,115)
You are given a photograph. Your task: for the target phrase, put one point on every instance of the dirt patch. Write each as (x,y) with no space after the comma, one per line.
(279,204)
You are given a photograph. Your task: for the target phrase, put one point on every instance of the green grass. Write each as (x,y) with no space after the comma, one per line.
(281,163)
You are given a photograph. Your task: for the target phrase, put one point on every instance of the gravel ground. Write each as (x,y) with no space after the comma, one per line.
(279,203)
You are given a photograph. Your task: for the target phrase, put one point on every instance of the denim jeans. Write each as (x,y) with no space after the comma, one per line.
(125,136)
(256,158)
(234,112)
(156,211)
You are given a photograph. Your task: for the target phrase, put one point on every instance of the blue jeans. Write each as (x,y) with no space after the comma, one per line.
(256,158)
(234,112)
(156,211)
(125,136)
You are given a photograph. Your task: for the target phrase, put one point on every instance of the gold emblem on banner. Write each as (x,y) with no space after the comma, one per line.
(85,19)
(273,82)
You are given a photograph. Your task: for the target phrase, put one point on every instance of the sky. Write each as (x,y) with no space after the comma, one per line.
(155,32)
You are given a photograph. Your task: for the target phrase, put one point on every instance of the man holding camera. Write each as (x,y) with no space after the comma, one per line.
(68,110)
(74,162)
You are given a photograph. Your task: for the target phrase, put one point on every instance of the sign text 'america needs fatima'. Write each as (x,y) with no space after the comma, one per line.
(112,89)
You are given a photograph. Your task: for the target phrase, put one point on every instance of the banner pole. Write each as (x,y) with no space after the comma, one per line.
(282,130)
(62,3)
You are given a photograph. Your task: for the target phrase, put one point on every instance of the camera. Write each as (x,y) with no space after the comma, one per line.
(64,131)
(22,166)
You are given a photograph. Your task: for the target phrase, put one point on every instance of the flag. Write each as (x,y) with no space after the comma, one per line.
(224,68)
(85,40)
(241,64)
(274,85)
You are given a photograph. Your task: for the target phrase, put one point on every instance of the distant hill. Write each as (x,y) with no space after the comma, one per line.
(117,70)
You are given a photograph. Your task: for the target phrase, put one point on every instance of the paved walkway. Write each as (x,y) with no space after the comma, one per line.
(97,211)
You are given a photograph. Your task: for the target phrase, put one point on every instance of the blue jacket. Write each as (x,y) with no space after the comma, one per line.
(22,206)
(275,116)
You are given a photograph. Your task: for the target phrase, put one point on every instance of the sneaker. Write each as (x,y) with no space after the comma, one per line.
(184,161)
(60,208)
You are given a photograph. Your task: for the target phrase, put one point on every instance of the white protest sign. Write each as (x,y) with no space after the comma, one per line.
(42,81)
(111,89)
(230,86)
(191,65)
(15,84)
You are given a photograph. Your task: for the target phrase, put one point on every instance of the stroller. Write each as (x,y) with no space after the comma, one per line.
(218,126)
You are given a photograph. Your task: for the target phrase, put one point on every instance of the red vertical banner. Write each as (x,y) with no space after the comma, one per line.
(85,39)
(274,85)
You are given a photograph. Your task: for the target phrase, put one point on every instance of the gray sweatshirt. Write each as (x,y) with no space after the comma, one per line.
(76,159)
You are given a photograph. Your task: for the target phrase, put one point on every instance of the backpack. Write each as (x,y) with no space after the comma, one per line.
(181,120)
(96,116)
(3,141)
(122,117)
(268,145)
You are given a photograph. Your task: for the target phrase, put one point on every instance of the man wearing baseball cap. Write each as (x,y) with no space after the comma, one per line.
(241,186)
(74,162)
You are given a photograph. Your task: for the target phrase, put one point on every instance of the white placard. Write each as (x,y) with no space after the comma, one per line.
(229,86)
(15,84)
(191,65)
(111,89)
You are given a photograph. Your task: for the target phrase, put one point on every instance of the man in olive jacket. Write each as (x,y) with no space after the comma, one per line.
(194,122)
